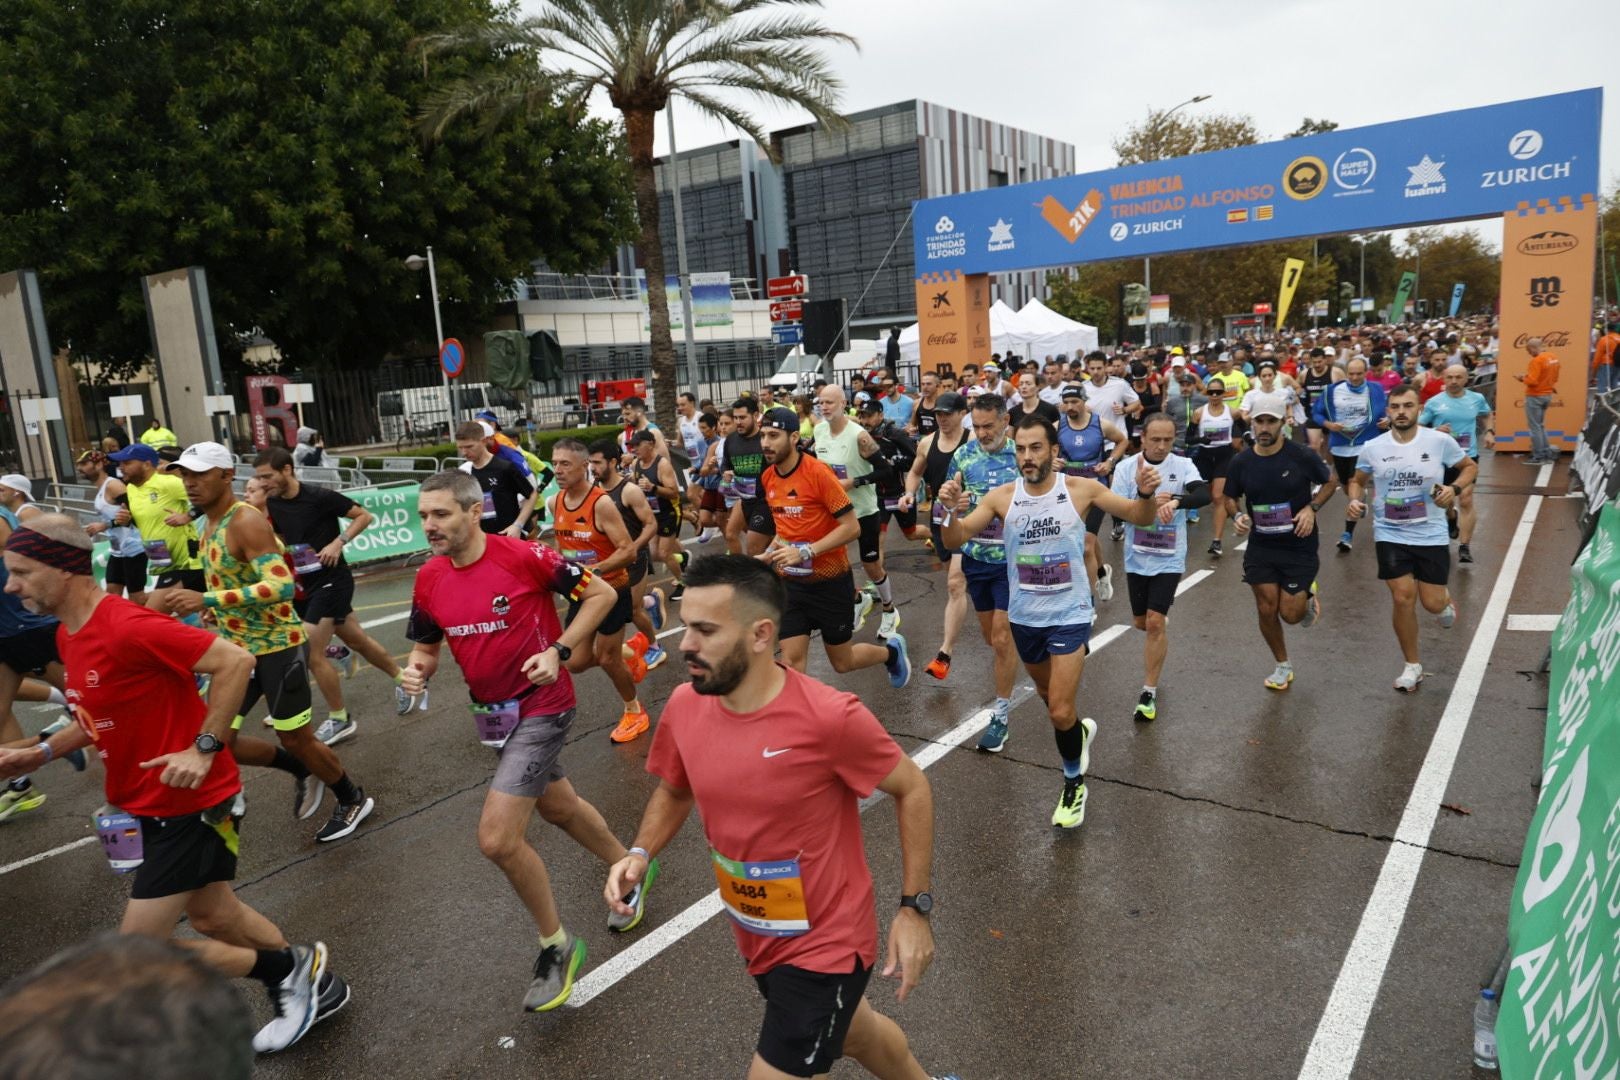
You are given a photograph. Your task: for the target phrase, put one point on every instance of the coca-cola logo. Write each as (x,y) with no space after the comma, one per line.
(1552,339)
(942,339)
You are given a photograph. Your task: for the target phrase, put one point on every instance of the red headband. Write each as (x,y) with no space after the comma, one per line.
(41,548)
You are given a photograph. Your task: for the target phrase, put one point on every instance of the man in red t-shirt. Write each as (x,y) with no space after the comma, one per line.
(494,599)
(173,791)
(814,521)
(776,764)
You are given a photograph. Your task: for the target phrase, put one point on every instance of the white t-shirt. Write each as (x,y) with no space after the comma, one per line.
(1102,399)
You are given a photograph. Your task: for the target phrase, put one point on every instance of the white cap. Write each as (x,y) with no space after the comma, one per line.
(489,429)
(203,456)
(18,482)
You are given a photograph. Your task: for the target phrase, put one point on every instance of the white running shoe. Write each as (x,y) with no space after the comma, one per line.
(296,1000)
(1105,583)
(1448,617)
(889,625)
(1411,675)
(863,608)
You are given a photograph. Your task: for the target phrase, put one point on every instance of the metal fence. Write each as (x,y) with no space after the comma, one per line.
(553,286)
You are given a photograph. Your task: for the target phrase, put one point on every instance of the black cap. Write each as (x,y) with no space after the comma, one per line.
(1073,390)
(643,437)
(950,401)
(780,419)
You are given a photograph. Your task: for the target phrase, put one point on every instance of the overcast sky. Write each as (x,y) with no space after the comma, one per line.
(1081,71)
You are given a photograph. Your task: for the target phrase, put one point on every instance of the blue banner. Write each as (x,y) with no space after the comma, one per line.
(1447,167)
(1456,299)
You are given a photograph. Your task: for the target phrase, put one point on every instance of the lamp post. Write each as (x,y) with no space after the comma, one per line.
(684,278)
(1361,289)
(416,262)
(1147,262)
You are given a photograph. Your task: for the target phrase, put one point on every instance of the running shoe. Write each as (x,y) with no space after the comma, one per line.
(1448,617)
(637,666)
(422,700)
(74,758)
(554,971)
(1192,517)
(1147,707)
(1344,542)
(1215,548)
(344,657)
(333,731)
(296,1000)
(685,558)
(1451,525)
(657,608)
(994,738)
(632,723)
(899,663)
(1280,678)
(307,795)
(1105,582)
(889,623)
(1410,676)
(939,666)
(1463,554)
(16,801)
(1088,731)
(636,898)
(638,644)
(863,608)
(403,701)
(1119,532)
(678,591)
(334,994)
(1071,807)
(655,656)
(346,817)
(1313,608)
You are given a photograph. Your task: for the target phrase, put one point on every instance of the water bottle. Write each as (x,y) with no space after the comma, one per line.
(1485,1011)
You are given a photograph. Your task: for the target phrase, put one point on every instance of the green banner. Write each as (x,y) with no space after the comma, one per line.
(1559,1007)
(1397,310)
(395,532)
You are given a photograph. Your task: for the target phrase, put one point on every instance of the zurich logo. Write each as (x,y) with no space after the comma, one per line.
(1525,145)
(944,225)
(1117,231)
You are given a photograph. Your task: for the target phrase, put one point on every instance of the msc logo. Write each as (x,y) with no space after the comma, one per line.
(1546,291)
(1305,178)
(1525,145)
(1550,242)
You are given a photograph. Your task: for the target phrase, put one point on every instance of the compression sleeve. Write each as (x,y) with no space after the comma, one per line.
(275,586)
(1195,495)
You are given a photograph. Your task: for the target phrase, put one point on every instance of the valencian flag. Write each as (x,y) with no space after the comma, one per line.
(1292,268)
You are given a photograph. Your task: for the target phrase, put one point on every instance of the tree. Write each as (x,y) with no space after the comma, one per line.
(641,53)
(1070,297)
(1442,259)
(1308,126)
(1162,135)
(274,144)
(1608,269)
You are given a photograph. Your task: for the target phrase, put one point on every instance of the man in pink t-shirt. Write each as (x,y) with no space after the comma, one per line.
(493,598)
(776,764)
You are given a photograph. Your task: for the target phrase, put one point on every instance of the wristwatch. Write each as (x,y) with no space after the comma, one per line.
(207,744)
(922,903)
(564,653)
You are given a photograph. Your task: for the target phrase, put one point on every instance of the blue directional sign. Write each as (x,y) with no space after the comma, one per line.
(787,334)
(1447,167)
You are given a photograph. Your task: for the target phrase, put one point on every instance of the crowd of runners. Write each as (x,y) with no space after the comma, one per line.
(1031,484)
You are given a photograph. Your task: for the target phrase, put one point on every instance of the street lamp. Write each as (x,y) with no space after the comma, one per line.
(1361,289)
(416,262)
(1147,263)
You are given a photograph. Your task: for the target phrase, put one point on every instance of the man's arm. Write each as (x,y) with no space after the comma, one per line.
(667,810)
(610,524)
(914,478)
(662,489)
(230,666)
(959,528)
(526,508)
(360,520)
(251,541)
(911,939)
(637,503)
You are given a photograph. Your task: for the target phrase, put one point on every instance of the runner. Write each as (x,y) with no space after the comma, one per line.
(814,521)
(633,411)
(1318,377)
(656,477)
(1084,442)
(305,516)
(126,556)
(776,764)
(706,478)
(156,504)
(742,460)
(509,492)
(923,420)
(980,465)
(17,497)
(897,452)
(250,592)
(1406,466)
(1280,564)
(591,535)
(1210,439)
(27,647)
(1352,413)
(634,513)
(1156,554)
(927,473)
(173,791)
(494,599)
(848,449)
(1466,416)
(1049,605)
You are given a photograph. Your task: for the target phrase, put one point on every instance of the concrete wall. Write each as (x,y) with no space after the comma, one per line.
(182,327)
(25,360)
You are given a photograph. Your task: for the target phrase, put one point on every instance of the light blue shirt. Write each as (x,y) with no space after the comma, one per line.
(1404,510)
(1159,549)
(1461,414)
(898,409)
(1047,583)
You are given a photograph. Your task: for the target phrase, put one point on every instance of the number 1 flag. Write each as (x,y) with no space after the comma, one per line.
(1292,268)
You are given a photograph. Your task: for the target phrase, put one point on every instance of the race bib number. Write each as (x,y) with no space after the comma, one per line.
(1044,571)
(765,898)
(1273,518)
(840,471)
(305,560)
(495,723)
(1219,436)
(939,513)
(801,569)
(157,552)
(579,556)
(1080,468)
(655,504)
(744,487)
(1465,441)
(120,836)
(992,534)
(1354,415)
(489,505)
(1155,540)
(891,502)
(1406,508)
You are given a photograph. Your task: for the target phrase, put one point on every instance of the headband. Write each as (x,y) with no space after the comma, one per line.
(41,548)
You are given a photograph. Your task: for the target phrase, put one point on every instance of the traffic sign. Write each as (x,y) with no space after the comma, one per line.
(452,357)
(787,334)
(792,285)
(787,311)
(1262,309)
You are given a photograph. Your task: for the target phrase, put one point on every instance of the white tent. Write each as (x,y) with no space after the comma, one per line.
(1008,334)
(1051,333)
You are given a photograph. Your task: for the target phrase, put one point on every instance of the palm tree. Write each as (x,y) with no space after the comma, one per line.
(642,53)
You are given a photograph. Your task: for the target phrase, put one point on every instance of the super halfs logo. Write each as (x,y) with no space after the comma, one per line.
(500,605)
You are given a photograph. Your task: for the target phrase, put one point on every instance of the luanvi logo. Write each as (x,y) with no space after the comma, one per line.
(1071,223)
(1546,291)
(1550,242)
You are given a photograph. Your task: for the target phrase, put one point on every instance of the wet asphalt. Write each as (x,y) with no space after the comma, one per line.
(1194,926)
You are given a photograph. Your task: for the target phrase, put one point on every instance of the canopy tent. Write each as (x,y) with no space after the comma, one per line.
(1008,334)
(1052,333)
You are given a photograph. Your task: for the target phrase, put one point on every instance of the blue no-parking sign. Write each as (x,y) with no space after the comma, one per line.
(452,357)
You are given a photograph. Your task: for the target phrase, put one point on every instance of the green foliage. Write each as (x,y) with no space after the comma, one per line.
(1609,232)
(1308,126)
(1070,297)
(273,142)
(1441,259)
(1164,136)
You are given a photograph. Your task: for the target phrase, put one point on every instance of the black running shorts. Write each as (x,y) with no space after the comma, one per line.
(1428,563)
(807,1015)
(182,854)
(828,606)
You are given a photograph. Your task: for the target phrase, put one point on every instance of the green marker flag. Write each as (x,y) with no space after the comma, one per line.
(1397,310)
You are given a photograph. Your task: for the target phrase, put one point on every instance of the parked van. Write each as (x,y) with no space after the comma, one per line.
(427,406)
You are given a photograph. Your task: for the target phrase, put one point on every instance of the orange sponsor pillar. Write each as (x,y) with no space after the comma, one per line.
(1547,261)
(953,316)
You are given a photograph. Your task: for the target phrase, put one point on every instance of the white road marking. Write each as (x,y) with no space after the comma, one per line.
(42,856)
(1544,476)
(1343,1025)
(1544,624)
(399,617)
(1192,579)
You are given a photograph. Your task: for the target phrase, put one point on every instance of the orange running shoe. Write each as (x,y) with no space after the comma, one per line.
(639,644)
(939,666)
(634,722)
(637,666)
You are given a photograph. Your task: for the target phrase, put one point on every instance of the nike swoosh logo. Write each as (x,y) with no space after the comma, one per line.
(768,752)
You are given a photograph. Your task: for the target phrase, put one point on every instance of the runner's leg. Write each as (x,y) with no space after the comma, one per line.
(502,839)
(322,669)
(1403,597)
(1266,605)
(880,1046)
(563,807)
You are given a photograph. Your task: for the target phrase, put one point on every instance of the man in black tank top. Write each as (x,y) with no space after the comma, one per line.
(742,460)
(655,476)
(929,470)
(642,525)
(923,420)
(1314,382)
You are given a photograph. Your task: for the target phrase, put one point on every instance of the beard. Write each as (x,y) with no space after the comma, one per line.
(1041,470)
(722,678)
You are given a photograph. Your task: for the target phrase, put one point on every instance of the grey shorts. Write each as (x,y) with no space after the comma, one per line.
(529,762)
